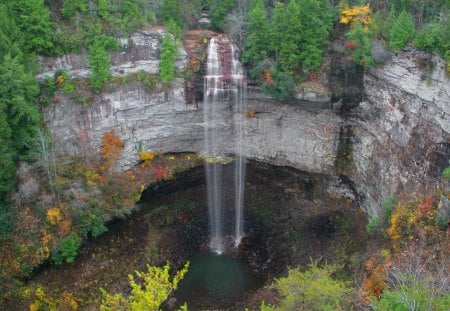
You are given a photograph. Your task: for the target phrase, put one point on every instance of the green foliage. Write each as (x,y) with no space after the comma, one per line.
(402,32)
(312,289)
(71,7)
(91,222)
(362,54)
(282,85)
(428,39)
(6,225)
(218,10)
(446,173)
(413,294)
(373,225)
(99,61)
(171,10)
(148,293)
(33,19)
(259,40)
(168,58)
(174,29)
(69,249)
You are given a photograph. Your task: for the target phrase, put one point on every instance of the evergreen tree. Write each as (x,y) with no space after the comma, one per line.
(289,44)
(171,9)
(99,62)
(402,31)
(18,89)
(33,19)
(168,58)
(218,10)
(259,40)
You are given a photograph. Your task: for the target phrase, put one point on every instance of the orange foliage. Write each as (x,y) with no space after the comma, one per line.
(374,283)
(64,227)
(251,114)
(426,207)
(111,148)
(146,155)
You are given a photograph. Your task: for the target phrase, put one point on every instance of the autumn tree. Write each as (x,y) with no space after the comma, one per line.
(147,293)
(110,150)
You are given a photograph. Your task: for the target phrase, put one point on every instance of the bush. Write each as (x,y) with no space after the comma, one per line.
(69,249)
(312,289)
(373,225)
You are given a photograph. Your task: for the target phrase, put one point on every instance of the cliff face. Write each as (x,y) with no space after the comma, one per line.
(398,139)
(401,134)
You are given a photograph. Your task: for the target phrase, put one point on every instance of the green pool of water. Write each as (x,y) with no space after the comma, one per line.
(216,281)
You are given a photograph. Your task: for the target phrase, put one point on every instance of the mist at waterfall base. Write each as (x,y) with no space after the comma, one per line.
(223,84)
(216,281)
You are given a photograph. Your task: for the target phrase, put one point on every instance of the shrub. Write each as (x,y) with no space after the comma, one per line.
(373,225)
(312,289)
(69,249)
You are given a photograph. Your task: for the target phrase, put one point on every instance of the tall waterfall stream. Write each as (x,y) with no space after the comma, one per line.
(224,82)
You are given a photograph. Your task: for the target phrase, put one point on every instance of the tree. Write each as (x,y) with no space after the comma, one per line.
(148,293)
(259,39)
(168,58)
(402,31)
(71,7)
(312,289)
(218,10)
(33,19)
(111,149)
(171,9)
(99,62)
(18,90)
(362,52)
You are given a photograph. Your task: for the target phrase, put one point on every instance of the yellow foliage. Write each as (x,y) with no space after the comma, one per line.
(54,215)
(46,238)
(359,13)
(148,293)
(146,155)
(59,80)
(69,301)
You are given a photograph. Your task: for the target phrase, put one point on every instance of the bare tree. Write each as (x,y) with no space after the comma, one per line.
(236,23)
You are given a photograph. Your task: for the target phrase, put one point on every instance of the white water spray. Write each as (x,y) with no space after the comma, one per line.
(224,80)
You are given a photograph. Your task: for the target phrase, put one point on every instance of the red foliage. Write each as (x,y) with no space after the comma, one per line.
(312,77)
(426,207)
(350,44)
(160,172)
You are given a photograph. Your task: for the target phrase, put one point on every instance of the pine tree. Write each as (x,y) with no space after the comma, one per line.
(168,58)
(402,32)
(259,40)
(33,19)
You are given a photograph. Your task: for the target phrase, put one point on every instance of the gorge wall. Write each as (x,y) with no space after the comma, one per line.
(395,140)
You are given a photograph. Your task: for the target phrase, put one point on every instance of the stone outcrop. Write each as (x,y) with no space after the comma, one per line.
(396,140)
(401,133)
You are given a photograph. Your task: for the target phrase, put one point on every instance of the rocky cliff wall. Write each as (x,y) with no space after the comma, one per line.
(401,133)
(397,140)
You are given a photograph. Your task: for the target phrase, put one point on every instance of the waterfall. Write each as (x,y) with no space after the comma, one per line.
(223,82)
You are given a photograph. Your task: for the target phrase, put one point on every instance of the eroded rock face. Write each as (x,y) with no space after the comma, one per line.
(401,134)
